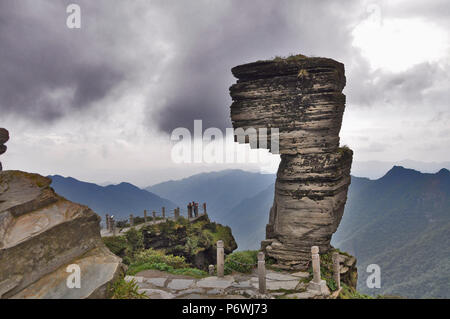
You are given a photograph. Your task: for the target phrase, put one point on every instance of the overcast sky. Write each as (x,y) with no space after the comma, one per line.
(98,103)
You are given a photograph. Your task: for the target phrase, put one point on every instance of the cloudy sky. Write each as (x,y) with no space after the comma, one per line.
(99,103)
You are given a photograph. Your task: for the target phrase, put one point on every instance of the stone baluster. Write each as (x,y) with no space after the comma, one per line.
(131,220)
(108,227)
(154,216)
(113,226)
(317,284)
(336,269)
(220,259)
(315,263)
(262,272)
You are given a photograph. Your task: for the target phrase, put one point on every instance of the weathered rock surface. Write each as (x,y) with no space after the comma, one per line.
(302,98)
(4,137)
(41,234)
(176,236)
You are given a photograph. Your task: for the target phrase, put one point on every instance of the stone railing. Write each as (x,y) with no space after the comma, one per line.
(317,284)
(191,214)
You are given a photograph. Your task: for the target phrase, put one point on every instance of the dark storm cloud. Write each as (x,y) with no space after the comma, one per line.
(418,85)
(211,38)
(46,69)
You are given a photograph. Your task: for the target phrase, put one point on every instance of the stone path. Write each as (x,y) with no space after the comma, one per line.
(161,285)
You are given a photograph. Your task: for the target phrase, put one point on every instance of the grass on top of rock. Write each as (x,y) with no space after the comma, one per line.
(290,58)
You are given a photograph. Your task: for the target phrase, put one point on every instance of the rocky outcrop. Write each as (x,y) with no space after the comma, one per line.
(42,233)
(4,137)
(302,98)
(195,241)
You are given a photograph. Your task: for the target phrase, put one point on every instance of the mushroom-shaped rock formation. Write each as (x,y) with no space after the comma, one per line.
(302,98)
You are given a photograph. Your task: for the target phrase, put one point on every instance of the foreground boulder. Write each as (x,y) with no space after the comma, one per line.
(302,98)
(41,233)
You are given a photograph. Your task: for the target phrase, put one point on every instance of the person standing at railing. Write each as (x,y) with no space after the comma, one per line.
(196,209)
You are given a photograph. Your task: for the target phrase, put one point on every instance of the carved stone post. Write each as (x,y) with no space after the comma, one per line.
(336,269)
(262,272)
(108,227)
(145,216)
(317,284)
(211,270)
(315,263)
(220,259)
(113,226)
(204,208)
(131,220)
(189,211)
(154,217)
(163,211)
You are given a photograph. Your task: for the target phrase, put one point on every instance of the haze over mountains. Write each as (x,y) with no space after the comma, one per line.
(119,200)
(377,169)
(400,222)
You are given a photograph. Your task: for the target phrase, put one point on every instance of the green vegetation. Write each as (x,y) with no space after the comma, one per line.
(177,244)
(195,241)
(121,289)
(290,58)
(350,293)
(193,272)
(158,257)
(241,261)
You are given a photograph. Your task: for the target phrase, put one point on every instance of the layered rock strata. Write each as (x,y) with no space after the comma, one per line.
(42,233)
(4,137)
(302,98)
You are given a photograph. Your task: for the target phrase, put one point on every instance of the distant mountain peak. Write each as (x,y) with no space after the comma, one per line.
(397,171)
(443,172)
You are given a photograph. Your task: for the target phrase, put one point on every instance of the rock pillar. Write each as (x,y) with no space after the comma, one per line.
(294,107)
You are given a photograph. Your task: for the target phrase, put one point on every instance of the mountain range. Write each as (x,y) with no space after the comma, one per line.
(400,221)
(119,200)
